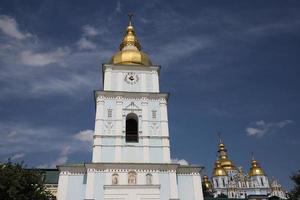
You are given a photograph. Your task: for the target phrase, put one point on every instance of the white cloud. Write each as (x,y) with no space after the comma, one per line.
(9,26)
(19,139)
(63,157)
(89,30)
(261,128)
(180,161)
(84,136)
(42,59)
(118,7)
(84,43)
(17,156)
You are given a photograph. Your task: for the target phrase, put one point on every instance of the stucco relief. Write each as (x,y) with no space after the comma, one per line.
(108,127)
(154,128)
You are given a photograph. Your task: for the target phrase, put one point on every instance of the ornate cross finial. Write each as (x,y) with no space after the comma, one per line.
(252,155)
(130,15)
(220,137)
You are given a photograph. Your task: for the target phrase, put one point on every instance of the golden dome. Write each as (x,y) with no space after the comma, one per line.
(255,169)
(219,170)
(223,158)
(207,184)
(130,50)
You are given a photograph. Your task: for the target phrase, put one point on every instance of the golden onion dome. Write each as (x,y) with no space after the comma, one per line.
(206,183)
(255,169)
(223,158)
(130,50)
(219,170)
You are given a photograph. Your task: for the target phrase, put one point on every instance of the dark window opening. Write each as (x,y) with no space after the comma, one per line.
(131,128)
(262,182)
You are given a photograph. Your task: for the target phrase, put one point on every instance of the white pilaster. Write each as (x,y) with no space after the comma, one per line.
(145,129)
(118,132)
(107,79)
(98,129)
(173,186)
(198,194)
(90,184)
(63,186)
(166,150)
(155,82)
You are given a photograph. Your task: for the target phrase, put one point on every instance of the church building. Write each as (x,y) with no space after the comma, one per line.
(232,182)
(131,145)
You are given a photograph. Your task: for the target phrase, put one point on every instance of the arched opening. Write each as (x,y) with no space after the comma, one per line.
(149,179)
(115,179)
(132,128)
(132,178)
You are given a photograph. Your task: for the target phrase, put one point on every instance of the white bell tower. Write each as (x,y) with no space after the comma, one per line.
(131,148)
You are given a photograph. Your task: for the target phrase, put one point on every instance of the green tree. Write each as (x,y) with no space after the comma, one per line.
(295,193)
(18,183)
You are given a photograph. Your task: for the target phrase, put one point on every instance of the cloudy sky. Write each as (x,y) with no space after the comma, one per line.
(230,66)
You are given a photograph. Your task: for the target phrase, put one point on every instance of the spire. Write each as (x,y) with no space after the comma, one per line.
(130,39)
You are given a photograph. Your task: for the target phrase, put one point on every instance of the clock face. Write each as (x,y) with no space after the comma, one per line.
(131,78)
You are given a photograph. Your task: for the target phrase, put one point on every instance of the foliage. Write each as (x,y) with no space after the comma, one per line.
(18,183)
(295,193)
(222,196)
(273,198)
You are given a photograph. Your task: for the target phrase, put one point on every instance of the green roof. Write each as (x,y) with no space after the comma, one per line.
(51,176)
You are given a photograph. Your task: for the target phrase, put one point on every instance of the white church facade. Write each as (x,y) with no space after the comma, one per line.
(131,148)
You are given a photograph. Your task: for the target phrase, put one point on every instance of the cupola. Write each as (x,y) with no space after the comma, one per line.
(223,157)
(130,50)
(219,170)
(255,169)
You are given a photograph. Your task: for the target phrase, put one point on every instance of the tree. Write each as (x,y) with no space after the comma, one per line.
(18,183)
(224,196)
(295,193)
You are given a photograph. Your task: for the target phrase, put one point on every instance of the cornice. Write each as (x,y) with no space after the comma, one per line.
(125,167)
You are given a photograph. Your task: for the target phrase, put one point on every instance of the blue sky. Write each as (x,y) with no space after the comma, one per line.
(230,66)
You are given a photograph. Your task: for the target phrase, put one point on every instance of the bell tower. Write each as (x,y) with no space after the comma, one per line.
(131,113)
(131,150)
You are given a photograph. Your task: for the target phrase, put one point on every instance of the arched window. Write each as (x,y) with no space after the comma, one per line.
(149,179)
(115,179)
(132,128)
(132,178)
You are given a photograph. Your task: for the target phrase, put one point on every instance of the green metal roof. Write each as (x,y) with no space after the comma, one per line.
(51,176)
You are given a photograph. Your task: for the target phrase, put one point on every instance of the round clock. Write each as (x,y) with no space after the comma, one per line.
(131,78)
